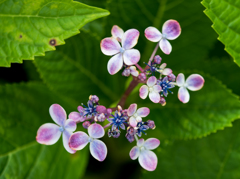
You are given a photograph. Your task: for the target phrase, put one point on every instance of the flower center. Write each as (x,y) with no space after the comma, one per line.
(164,36)
(61,129)
(90,139)
(150,89)
(122,50)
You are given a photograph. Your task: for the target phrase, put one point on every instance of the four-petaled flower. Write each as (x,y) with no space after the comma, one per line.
(136,115)
(49,133)
(152,89)
(194,82)
(80,139)
(110,46)
(147,159)
(170,31)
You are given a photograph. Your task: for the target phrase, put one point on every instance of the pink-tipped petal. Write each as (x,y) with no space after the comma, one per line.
(134,153)
(154,96)
(165,46)
(98,150)
(130,38)
(132,109)
(153,34)
(117,33)
(140,142)
(115,64)
(183,95)
(151,143)
(76,117)
(58,114)
(148,160)
(131,57)
(143,91)
(66,135)
(78,140)
(134,71)
(171,29)
(163,66)
(167,71)
(151,81)
(180,79)
(48,134)
(70,125)
(195,82)
(101,109)
(133,122)
(157,88)
(96,131)
(138,119)
(110,46)
(143,112)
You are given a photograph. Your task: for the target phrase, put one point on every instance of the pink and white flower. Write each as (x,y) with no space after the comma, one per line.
(147,159)
(194,82)
(152,89)
(122,54)
(163,70)
(136,115)
(49,133)
(97,148)
(171,30)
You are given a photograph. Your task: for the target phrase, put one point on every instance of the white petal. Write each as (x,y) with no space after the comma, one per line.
(70,125)
(165,46)
(183,95)
(167,71)
(132,109)
(66,136)
(157,88)
(48,134)
(151,143)
(117,32)
(143,112)
(143,91)
(130,38)
(195,82)
(171,29)
(154,96)
(134,153)
(180,79)
(78,140)
(148,160)
(151,81)
(98,150)
(58,114)
(133,121)
(131,57)
(153,34)
(115,64)
(110,46)
(96,131)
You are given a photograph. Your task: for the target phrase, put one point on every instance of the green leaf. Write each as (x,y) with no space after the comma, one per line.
(24,108)
(226,20)
(29,28)
(212,108)
(79,69)
(214,157)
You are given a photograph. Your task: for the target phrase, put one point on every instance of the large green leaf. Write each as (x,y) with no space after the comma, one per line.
(210,109)
(24,108)
(225,17)
(29,28)
(79,69)
(214,157)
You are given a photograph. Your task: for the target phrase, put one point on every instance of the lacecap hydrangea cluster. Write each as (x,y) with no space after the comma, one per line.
(157,82)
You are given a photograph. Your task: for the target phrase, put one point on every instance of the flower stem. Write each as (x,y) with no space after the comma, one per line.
(139,67)
(107,125)
(153,54)
(136,137)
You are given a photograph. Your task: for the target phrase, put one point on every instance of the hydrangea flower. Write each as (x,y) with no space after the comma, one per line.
(80,139)
(136,115)
(170,31)
(194,82)
(125,54)
(49,133)
(130,70)
(152,89)
(163,70)
(147,159)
